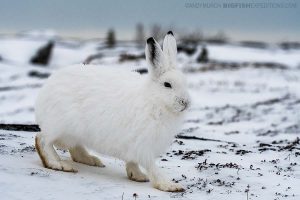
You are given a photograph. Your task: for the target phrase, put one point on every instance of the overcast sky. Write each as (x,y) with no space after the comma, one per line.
(92,18)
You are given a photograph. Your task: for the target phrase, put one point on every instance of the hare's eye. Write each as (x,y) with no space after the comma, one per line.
(167,85)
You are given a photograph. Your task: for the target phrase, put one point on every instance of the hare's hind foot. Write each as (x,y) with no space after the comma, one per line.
(134,172)
(168,186)
(79,154)
(49,157)
(160,182)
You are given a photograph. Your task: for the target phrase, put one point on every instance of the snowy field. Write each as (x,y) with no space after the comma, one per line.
(240,139)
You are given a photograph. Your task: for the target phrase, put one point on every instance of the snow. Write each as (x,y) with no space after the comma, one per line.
(19,50)
(247,122)
(236,53)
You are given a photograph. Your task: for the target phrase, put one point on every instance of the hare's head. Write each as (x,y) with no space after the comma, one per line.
(169,82)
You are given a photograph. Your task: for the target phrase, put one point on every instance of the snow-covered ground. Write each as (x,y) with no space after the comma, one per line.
(240,139)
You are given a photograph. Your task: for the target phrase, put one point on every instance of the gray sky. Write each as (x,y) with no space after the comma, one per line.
(92,18)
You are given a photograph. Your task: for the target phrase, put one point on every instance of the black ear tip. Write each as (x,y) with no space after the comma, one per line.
(150,40)
(171,33)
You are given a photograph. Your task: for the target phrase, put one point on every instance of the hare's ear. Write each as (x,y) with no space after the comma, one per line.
(170,49)
(154,57)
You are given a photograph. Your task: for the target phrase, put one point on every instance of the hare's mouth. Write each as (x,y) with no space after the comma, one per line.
(184,108)
(179,109)
(183,105)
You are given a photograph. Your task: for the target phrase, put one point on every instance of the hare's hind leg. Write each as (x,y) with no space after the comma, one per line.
(49,156)
(159,181)
(80,154)
(134,172)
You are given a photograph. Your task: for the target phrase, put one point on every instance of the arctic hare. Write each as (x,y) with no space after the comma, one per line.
(115,112)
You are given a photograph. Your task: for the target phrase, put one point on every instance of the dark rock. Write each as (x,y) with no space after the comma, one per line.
(89,59)
(191,155)
(8,88)
(43,55)
(199,138)
(28,149)
(264,145)
(130,57)
(20,127)
(111,38)
(37,74)
(189,50)
(203,56)
(205,165)
(290,45)
(292,145)
(214,65)
(254,44)
(242,152)
(271,101)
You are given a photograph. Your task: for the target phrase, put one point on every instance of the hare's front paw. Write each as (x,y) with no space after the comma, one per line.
(168,186)
(138,177)
(134,172)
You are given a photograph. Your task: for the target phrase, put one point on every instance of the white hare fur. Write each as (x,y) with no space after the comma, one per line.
(115,112)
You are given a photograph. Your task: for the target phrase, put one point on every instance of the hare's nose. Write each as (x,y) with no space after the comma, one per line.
(183,102)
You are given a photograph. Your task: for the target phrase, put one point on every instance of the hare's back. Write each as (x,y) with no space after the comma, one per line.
(79,89)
